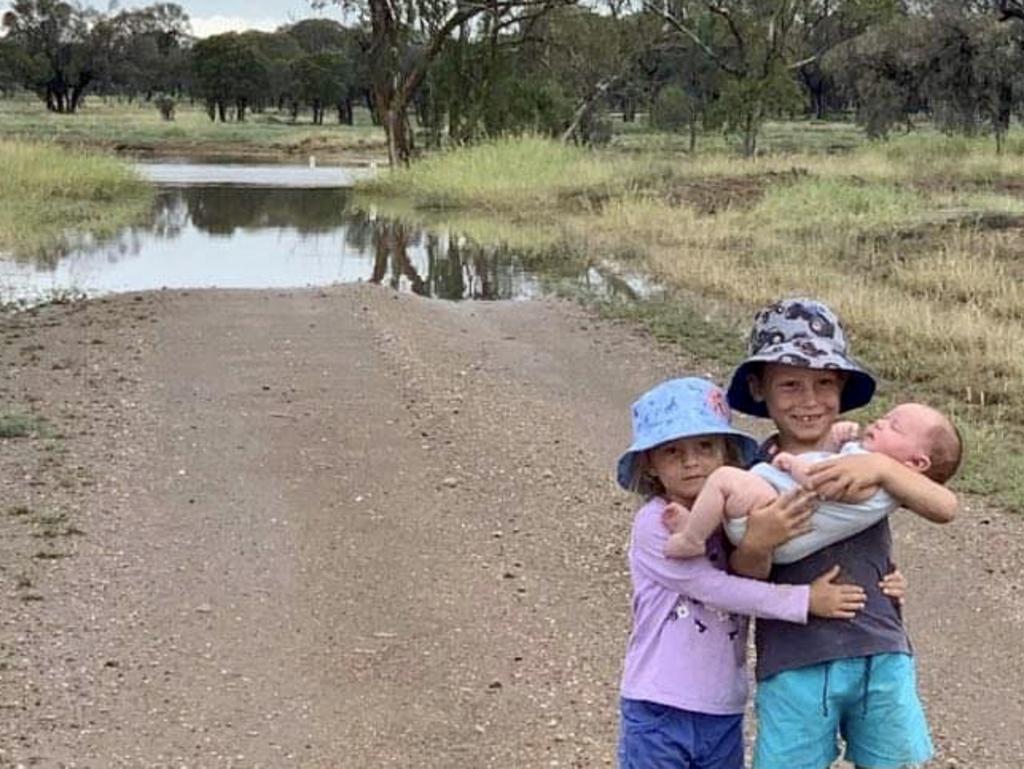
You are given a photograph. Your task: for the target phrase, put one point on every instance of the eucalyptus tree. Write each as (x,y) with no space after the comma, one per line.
(758,47)
(320,80)
(275,52)
(54,35)
(431,25)
(229,71)
(881,73)
(348,45)
(142,51)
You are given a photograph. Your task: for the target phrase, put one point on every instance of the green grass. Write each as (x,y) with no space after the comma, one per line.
(110,123)
(507,174)
(48,193)
(21,426)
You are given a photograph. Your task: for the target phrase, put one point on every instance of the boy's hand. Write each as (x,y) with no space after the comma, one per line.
(894,585)
(787,517)
(835,601)
(673,516)
(848,477)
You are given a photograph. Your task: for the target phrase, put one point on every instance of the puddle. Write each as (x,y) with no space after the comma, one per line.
(278,226)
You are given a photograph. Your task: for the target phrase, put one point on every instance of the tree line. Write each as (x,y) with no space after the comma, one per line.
(460,72)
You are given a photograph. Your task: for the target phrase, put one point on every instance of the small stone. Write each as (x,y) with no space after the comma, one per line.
(451,482)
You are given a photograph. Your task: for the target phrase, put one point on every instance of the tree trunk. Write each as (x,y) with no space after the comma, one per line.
(693,136)
(395,123)
(222,110)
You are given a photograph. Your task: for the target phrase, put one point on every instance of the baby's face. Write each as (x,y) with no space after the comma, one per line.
(903,433)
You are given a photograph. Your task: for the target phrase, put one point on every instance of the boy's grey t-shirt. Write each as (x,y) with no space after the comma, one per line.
(878,628)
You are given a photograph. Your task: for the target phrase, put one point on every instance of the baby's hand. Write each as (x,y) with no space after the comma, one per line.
(673,516)
(840,433)
(783,461)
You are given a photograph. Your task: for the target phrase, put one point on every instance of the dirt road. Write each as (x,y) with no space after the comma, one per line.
(346,528)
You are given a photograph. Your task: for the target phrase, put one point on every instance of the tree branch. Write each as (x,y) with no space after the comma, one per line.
(676,24)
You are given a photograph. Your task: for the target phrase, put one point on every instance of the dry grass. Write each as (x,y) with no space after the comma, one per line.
(917,244)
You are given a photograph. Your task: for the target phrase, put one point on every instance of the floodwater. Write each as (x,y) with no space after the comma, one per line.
(231,225)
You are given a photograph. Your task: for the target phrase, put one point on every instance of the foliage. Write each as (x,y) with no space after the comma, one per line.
(47,192)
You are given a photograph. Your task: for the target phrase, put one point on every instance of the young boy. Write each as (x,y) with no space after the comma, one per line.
(819,681)
(913,434)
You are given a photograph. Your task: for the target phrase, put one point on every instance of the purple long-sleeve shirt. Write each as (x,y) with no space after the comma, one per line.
(689,640)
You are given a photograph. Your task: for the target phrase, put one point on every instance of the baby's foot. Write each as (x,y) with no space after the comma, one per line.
(673,516)
(681,546)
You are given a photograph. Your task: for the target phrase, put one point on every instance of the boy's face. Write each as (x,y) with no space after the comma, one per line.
(683,465)
(903,434)
(803,402)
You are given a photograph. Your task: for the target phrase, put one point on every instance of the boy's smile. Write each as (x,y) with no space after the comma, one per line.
(803,402)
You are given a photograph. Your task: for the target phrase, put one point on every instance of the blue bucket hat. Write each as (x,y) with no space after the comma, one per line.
(803,333)
(680,408)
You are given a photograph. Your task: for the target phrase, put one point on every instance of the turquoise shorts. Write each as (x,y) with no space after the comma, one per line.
(871,702)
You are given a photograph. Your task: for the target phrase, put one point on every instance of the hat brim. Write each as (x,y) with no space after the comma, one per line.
(857,392)
(745,444)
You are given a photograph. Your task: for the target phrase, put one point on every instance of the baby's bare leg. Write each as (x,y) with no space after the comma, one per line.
(728,492)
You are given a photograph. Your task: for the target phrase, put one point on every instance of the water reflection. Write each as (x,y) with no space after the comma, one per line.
(263,237)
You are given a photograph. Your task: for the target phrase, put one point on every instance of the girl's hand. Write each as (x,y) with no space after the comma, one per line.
(894,585)
(846,477)
(779,521)
(833,600)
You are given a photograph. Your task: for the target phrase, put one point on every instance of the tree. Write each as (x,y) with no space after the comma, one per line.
(229,70)
(15,66)
(274,52)
(320,79)
(142,51)
(758,48)
(324,36)
(54,34)
(433,24)
(881,72)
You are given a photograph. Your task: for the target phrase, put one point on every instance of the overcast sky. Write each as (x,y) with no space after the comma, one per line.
(210,17)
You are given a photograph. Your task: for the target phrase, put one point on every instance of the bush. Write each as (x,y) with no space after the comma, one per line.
(166,105)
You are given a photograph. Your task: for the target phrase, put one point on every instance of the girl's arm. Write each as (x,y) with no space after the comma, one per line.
(848,476)
(698,579)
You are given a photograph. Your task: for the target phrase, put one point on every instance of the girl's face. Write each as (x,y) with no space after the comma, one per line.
(803,402)
(683,465)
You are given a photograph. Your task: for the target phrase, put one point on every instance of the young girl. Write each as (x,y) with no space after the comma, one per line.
(684,686)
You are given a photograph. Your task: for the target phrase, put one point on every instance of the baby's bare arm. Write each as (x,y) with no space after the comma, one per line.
(841,433)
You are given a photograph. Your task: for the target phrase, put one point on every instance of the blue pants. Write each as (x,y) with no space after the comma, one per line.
(655,736)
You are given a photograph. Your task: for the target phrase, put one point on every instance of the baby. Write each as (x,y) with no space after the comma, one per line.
(913,434)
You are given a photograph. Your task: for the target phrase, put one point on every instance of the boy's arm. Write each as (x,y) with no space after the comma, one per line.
(769,526)
(852,474)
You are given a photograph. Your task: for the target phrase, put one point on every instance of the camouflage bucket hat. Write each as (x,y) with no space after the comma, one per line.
(803,333)
(680,408)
